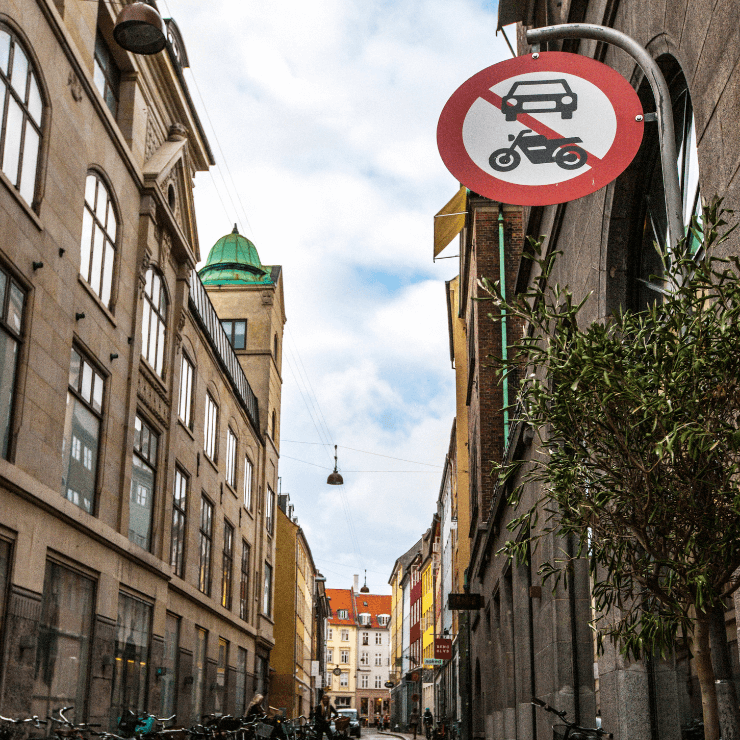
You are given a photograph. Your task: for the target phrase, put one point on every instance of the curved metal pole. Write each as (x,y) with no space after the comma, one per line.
(666,134)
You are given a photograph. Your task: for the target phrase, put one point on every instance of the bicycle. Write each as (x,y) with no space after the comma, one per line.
(570,730)
(6,733)
(65,729)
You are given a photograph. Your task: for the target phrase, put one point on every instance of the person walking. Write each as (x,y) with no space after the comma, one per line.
(414,721)
(323,713)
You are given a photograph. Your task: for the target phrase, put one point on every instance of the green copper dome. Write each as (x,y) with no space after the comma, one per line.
(233,260)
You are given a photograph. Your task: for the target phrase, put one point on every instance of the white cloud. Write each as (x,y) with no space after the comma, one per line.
(326,113)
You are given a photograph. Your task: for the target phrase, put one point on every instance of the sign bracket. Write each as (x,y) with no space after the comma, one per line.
(661,93)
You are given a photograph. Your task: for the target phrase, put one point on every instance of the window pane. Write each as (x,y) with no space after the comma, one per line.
(19,73)
(107,273)
(86,243)
(8,354)
(227,328)
(110,224)
(152,354)
(240,333)
(79,454)
(97,399)
(63,647)
(160,348)
(12,151)
(168,682)
(74,370)
(97,259)
(35,105)
(145,330)
(87,379)
(90,184)
(4,50)
(30,157)
(15,308)
(141,504)
(101,207)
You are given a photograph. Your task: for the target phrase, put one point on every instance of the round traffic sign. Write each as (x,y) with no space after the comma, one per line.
(540,129)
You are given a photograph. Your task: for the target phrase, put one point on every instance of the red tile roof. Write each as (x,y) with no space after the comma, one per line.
(341,598)
(376,605)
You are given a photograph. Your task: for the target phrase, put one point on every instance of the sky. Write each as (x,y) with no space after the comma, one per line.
(322,118)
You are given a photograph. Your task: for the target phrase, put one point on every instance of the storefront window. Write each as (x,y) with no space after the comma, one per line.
(63,648)
(199,670)
(168,680)
(131,674)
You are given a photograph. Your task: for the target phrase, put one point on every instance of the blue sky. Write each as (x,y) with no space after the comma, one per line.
(325,116)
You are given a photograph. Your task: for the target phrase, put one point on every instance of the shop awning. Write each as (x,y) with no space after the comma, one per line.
(449,222)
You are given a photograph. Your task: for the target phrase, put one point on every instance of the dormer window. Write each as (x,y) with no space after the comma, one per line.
(365,619)
(342,614)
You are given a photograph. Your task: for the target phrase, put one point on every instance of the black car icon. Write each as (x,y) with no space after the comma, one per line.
(539,96)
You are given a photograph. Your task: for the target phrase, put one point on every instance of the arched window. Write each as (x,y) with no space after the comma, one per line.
(21,110)
(154,321)
(652,226)
(98,244)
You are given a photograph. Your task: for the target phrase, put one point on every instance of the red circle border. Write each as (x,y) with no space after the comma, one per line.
(626,142)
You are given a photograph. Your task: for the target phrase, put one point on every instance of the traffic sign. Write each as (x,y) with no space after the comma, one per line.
(540,129)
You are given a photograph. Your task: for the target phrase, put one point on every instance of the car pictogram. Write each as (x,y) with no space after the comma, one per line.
(539,96)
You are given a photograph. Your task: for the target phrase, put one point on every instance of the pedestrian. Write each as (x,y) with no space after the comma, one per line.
(428,722)
(386,721)
(323,713)
(414,721)
(255,708)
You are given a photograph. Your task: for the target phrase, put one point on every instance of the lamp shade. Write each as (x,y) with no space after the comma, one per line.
(335,479)
(139,29)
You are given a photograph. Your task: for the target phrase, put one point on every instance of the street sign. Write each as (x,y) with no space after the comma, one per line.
(442,648)
(433,661)
(460,602)
(389,684)
(540,129)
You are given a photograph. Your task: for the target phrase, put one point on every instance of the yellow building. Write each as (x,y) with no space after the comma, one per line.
(341,648)
(295,573)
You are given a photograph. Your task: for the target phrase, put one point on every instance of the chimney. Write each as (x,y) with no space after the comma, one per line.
(355,584)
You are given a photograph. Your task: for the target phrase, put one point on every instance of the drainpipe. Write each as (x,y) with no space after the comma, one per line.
(504,347)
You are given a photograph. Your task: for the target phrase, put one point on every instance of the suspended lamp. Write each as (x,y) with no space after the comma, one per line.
(140,29)
(335,479)
(365,589)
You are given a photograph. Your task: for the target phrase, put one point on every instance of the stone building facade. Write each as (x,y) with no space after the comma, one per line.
(139,453)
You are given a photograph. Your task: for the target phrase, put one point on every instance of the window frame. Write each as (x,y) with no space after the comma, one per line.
(231,331)
(93,223)
(210,429)
(154,315)
(267,590)
(227,565)
(244,581)
(186,394)
(232,446)
(150,460)
(7,440)
(205,546)
(110,71)
(39,126)
(248,483)
(89,405)
(270,511)
(177,554)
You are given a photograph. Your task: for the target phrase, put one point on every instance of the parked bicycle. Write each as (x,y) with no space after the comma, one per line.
(570,730)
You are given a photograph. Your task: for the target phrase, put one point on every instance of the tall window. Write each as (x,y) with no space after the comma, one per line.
(21,109)
(364,658)
(270,510)
(267,591)
(378,682)
(154,321)
(185,404)
(236,331)
(365,638)
(240,682)
(247,483)
(345,656)
(653,222)
(210,441)
(63,647)
(378,659)
(133,634)
(98,243)
(179,509)
(231,458)
(199,671)
(344,679)
(364,681)
(345,633)
(143,476)
(378,638)
(107,75)
(206,541)
(81,432)
(244,583)
(168,681)
(330,655)
(227,565)
(12,302)
(219,693)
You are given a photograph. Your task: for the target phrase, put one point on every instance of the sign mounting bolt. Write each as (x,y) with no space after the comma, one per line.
(638,118)
(535,55)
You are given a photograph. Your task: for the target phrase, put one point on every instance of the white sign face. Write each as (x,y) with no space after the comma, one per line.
(540,129)
(486,129)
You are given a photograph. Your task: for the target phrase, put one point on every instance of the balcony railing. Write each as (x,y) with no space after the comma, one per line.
(209,322)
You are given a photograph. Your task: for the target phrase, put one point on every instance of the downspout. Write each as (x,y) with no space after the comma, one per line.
(504,346)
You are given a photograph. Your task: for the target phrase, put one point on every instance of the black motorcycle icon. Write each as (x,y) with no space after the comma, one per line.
(539,150)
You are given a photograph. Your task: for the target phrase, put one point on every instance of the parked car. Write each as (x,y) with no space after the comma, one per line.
(354,723)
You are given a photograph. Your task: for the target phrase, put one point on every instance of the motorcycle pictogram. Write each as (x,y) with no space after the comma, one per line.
(539,150)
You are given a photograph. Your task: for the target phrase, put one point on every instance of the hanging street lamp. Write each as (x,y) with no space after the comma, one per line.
(335,479)
(140,29)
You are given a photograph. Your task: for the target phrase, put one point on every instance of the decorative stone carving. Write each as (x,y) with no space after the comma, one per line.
(75,87)
(145,263)
(153,398)
(153,140)
(178,132)
(180,326)
(267,298)
(165,247)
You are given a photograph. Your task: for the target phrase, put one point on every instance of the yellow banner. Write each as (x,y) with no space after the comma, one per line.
(449,222)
